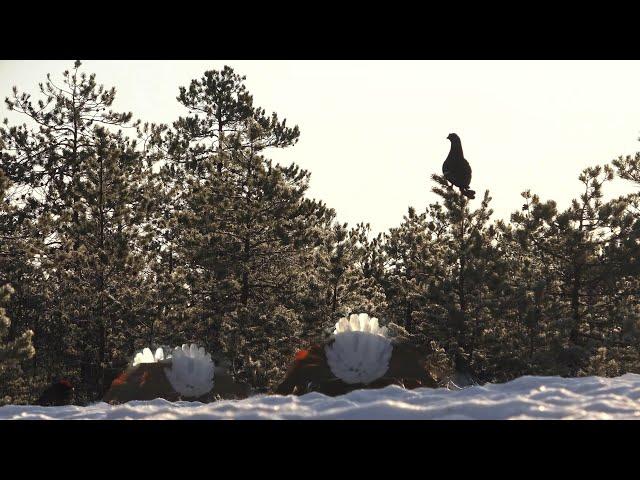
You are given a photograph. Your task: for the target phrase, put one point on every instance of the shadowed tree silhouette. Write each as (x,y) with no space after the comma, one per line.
(456,169)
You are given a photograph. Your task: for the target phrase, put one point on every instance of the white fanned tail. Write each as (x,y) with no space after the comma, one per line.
(361,351)
(191,372)
(146,356)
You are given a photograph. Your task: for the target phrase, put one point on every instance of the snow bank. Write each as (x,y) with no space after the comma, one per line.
(523,398)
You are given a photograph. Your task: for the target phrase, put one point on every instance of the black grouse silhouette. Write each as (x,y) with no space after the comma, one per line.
(456,169)
(310,372)
(58,394)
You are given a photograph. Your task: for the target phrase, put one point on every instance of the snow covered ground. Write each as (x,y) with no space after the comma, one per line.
(523,398)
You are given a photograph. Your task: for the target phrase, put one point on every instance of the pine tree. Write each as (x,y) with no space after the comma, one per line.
(25,301)
(573,251)
(14,348)
(242,227)
(472,273)
(410,275)
(85,190)
(11,351)
(343,283)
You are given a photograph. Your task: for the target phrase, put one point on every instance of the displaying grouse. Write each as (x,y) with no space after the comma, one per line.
(359,355)
(58,394)
(456,169)
(184,373)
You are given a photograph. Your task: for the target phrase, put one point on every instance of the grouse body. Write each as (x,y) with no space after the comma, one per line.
(58,394)
(311,372)
(359,355)
(148,381)
(456,169)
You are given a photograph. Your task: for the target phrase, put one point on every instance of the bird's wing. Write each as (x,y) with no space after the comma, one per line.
(467,172)
(446,167)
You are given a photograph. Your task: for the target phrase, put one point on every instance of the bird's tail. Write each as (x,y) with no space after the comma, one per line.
(469,193)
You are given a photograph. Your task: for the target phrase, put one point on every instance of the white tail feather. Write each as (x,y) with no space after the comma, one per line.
(360,352)
(145,356)
(191,372)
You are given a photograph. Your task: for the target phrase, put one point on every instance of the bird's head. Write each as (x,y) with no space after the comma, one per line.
(453,137)
(65,384)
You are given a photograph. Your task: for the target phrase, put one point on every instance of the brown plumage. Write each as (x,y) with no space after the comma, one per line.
(57,394)
(310,372)
(148,381)
(456,169)
(145,381)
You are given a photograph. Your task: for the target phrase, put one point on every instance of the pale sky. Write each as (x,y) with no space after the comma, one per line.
(372,132)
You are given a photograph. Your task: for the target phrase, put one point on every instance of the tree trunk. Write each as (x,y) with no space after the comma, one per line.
(407,317)
(334,299)
(575,305)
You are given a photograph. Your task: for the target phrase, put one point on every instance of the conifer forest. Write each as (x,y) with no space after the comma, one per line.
(116,235)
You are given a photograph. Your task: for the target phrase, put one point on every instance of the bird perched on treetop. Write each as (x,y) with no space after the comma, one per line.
(456,169)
